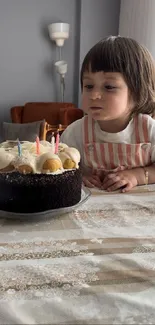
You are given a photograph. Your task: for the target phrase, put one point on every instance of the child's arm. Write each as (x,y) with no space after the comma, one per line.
(126,179)
(73,137)
(146,174)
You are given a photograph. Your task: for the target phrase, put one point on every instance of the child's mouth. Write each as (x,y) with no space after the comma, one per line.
(95,108)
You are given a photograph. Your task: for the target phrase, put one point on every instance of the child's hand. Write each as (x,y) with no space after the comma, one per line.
(92,181)
(123,180)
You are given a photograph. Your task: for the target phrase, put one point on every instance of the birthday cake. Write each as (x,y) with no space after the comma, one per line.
(35,180)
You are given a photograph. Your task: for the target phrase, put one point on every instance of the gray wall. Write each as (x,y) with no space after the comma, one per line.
(27,54)
(99,19)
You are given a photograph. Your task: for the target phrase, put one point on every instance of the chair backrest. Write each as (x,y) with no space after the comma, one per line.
(48,111)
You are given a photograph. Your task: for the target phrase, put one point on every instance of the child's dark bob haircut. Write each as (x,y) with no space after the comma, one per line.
(133,61)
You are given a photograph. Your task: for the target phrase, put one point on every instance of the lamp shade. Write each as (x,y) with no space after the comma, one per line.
(61,67)
(59,32)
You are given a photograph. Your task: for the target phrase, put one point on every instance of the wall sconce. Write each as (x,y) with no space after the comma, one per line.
(59,32)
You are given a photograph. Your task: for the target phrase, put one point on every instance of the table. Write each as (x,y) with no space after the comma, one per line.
(95,265)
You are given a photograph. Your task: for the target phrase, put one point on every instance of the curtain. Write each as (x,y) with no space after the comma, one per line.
(137,20)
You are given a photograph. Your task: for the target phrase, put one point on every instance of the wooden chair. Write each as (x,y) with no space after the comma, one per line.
(52,129)
(56,115)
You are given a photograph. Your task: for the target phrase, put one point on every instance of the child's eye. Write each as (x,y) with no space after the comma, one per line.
(88,87)
(109,87)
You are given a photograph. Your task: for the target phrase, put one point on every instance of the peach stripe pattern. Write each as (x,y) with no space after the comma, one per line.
(110,156)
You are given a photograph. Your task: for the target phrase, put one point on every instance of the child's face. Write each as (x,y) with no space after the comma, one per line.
(105,96)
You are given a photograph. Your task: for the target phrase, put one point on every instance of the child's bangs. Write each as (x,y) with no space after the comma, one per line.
(103,57)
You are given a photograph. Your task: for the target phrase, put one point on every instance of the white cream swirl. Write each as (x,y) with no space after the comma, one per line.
(6,158)
(70,153)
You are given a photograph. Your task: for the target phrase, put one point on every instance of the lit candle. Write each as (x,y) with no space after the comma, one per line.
(53,142)
(57,142)
(37,145)
(19,148)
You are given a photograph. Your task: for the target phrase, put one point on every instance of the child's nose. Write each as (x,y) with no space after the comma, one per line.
(96,95)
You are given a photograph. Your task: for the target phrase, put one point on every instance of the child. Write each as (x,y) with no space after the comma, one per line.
(116,137)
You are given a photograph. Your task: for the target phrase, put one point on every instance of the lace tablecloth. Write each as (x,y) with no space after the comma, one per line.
(95,265)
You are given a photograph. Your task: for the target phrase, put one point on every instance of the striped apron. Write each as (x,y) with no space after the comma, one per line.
(116,156)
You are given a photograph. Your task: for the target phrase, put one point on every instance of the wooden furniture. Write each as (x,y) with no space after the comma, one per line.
(56,115)
(52,129)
